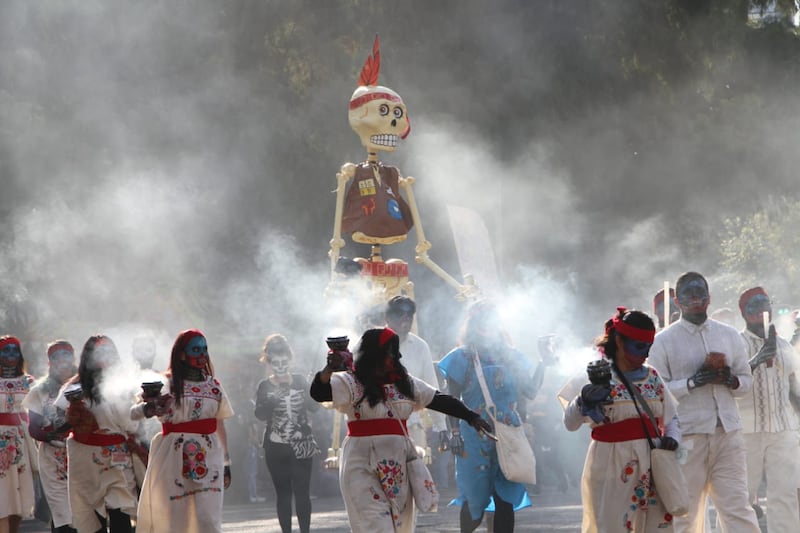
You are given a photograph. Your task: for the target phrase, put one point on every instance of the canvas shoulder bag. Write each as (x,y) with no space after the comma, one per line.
(514,452)
(420,481)
(667,474)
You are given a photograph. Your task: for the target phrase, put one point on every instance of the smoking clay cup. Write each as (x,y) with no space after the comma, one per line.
(74,393)
(151,389)
(338,343)
(599,372)
(715,361)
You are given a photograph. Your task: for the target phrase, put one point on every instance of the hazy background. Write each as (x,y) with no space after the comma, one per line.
(167,165)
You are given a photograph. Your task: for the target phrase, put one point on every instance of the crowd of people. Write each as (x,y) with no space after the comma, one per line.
(154,455)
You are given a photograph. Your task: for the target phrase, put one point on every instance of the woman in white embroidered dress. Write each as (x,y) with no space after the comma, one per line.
(102,490)
(188,466)
(16,478)
(45,425)
(378,397)
(617,491)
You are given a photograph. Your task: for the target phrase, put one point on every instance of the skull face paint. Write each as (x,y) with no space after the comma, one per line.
(693,296)
(62,364)
(636,352)
(10,355)
(755,307)
(196,352)
(280,363)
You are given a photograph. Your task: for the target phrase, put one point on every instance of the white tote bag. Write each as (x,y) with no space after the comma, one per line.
(514,452)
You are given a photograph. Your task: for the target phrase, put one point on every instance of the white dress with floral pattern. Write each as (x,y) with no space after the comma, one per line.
(183,487)
(617,491)
(372,472)
(52,456)
(16,477)
(100,477)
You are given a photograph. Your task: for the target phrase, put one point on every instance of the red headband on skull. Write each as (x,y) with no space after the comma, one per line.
(631,332)
(9,340)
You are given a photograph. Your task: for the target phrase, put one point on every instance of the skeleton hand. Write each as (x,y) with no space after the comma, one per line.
(457,444)
(444,441)
(767,352)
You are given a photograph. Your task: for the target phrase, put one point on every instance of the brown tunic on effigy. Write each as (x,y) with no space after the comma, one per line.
(374,211)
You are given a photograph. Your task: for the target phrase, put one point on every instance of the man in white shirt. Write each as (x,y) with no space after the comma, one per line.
(704,364)
(416,357)
(769,421)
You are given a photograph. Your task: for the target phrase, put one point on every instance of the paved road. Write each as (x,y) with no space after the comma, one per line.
(552,511)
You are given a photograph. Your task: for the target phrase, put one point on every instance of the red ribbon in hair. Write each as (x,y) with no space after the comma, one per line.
(385,336)
(9,340)
(631,332)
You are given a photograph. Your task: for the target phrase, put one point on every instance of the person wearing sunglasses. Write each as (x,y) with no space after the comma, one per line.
(617,490)
(705,365)
(769,421)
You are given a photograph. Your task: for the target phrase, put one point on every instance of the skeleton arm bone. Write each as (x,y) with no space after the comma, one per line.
(347,171)
(465,291)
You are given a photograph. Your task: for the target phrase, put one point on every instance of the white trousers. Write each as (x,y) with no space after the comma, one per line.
(715,466)
(775,454)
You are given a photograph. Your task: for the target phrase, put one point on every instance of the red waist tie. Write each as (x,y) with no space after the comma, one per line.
(204,426)
(13,419)
(376,426)
(99,439)
(628,429)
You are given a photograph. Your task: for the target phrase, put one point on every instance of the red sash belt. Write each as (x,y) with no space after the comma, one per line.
(628,429)
(377,426)
(99,439)
(204,426)
(13,419)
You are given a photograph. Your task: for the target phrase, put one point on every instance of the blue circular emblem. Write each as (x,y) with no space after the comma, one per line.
(394,209)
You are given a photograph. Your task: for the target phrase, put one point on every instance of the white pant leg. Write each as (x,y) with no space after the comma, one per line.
(697,446)
(727,482)
(754,449)
(782,471)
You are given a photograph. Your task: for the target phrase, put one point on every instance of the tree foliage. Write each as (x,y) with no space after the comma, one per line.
(761,248)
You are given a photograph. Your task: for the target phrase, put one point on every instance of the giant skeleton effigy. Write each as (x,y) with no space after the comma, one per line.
(371,209)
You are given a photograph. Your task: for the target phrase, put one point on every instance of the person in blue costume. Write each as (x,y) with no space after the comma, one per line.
(511,381)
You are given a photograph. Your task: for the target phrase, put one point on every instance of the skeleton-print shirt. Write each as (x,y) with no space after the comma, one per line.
(285,409)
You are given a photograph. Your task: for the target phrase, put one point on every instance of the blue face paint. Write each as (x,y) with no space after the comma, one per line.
(637,348)
(196,352)
(693,293)
(10,354)
(757,305)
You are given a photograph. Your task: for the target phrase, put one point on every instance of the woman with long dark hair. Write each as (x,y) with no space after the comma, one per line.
(617,488)
(189,466)
(16,478)
(378,397)
(102,489)
(46,422)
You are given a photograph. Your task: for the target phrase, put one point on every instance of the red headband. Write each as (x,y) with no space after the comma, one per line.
(386,335)
(363,99)
(9,340)
(749,293)
(60,346)
(631,332)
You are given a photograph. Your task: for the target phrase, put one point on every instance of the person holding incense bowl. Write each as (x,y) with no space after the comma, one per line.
(704,363)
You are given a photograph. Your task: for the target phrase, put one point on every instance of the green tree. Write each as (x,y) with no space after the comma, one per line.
(762,249)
